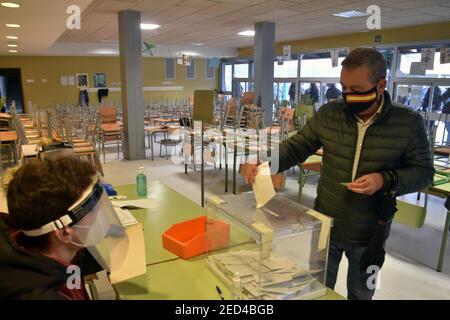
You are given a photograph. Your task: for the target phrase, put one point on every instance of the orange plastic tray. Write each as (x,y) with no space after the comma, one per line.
(188,239)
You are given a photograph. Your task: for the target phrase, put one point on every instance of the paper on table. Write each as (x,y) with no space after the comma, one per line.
(135,204)
(134,263)
(125,217)
(263,186)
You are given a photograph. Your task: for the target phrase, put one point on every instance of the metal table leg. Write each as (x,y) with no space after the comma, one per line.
(443,243)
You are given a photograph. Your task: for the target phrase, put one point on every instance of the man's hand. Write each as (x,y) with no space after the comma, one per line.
(368,184)
(248,171)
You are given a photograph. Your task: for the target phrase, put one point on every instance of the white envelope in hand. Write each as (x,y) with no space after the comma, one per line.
(263,186)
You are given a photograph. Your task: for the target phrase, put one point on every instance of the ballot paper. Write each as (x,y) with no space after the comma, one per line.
(126,217)
(263,186)
(134,263)
(135,204)
(280,277)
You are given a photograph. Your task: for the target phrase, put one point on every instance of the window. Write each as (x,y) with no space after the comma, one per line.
(169,68)
(241,70)
(409,63)
(227,77)
(289,69)
(210,72)
(318,65)
(190,71)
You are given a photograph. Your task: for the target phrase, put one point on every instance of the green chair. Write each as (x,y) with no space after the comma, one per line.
(303,112)
(411,215)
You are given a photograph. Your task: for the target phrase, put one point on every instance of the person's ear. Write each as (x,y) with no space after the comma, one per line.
(64,235)
(382,84)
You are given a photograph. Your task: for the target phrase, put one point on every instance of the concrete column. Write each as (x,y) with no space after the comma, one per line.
(132,84)
(263,55)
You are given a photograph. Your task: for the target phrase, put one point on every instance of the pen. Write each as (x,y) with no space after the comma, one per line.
(220,293)
(271,212)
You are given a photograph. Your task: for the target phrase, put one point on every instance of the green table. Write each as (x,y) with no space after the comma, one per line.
(442,191)
(168,276)
(182,280)
(171,208)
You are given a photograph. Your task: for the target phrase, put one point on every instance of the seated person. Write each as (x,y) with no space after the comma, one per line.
(57,209)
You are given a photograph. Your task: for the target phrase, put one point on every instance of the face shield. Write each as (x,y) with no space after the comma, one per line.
(96,227)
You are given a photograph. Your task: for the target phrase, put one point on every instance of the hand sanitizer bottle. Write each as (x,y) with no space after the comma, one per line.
(236,287)
(141,182)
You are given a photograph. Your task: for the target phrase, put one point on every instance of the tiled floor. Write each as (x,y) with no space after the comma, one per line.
(409,269)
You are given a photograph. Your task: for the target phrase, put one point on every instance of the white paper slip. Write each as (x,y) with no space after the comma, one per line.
(125,217)
(263,186)
(135,204)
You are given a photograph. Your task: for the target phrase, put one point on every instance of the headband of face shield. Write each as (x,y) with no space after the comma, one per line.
(92,218)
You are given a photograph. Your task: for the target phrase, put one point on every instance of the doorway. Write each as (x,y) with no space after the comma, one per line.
(11,88)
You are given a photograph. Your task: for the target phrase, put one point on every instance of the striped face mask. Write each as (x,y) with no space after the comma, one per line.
(360,101)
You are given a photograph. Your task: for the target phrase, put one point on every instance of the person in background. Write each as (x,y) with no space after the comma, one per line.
(292,93)
(446,110)
(332,93)
(313,92)
(435,106)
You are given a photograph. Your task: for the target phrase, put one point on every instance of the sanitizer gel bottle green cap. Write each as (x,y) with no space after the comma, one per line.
(141,183)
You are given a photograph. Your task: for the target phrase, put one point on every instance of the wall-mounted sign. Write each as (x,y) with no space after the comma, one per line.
(287,53)
(427,58)
(99,80)
(82,80)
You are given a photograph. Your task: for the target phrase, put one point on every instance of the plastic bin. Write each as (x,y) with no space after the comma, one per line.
(188,239)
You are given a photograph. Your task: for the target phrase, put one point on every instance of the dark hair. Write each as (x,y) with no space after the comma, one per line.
(370,58)
(43,190)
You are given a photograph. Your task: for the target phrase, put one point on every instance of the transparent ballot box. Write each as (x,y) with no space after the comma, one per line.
(276,252)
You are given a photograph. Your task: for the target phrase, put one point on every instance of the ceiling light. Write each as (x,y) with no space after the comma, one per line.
(351,14)
(10,5)
(149,26)
(104,52)
(13,51)
(12,45)
(198,44)
(12,25)
(247,33)
(12,37)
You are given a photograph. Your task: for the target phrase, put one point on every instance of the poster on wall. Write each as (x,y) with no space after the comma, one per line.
(427,58)
(99,80)
(445,55)
(64,81)
(287,53)
(82,80)
(71,80)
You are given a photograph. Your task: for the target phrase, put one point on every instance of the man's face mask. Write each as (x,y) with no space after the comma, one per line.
(358,102)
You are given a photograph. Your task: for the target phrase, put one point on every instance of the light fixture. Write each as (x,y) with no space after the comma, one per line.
(149,26)
(10,5)
(12,25)
(247,33)
(351,14)
(13,51)
(12,37)
(198,44)
(12,45)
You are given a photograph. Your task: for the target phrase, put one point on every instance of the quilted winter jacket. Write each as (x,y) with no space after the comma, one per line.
(395,141)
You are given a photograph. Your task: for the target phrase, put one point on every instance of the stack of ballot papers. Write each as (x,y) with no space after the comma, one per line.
(279,279)
(125,217)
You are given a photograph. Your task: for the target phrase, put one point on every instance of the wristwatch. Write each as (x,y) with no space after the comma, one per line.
(390,183)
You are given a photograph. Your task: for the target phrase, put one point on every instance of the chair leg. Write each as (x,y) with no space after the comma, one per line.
(160,148)
(118,150)
(167,154)
(98,164)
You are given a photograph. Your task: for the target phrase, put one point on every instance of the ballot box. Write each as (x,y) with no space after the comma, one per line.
(276,252)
